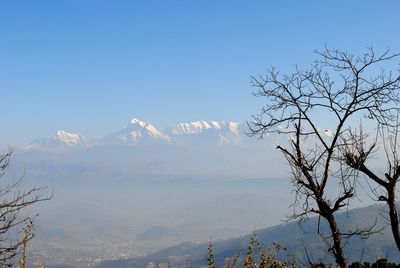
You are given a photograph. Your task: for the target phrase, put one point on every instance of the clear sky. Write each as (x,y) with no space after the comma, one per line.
(89,66)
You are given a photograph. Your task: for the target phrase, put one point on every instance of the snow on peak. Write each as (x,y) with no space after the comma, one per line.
(200,126)
(61,141)
(212,131)
(69,138)
(138,132)
(135,121)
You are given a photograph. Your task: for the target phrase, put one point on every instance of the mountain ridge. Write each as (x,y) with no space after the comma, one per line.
(138,132)
(62,140)
(292,236)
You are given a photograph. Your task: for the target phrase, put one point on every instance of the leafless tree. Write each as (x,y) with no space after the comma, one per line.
(338,90)
(13,220)
(361,149)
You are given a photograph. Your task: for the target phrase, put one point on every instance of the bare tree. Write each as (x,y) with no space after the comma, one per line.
(335,92)
(361,149)
(13,220)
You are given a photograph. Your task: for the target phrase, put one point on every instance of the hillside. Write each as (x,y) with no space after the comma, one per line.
(298,239)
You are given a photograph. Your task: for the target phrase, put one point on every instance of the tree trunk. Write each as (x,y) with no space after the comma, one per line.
(394,218)
(337,248)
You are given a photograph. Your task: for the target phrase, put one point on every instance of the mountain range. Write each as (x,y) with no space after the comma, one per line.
(138,132)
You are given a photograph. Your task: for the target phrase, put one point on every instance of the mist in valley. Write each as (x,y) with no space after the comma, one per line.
(118,201)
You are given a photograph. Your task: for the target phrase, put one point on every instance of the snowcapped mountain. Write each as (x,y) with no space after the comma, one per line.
(62,140)
(195,127)
(69,138)
(207,131)
(136,132)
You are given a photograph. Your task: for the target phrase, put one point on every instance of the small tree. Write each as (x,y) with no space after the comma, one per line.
(338,90)
(13,221)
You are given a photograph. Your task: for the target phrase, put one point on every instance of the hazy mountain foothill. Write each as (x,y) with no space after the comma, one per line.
(140,190)
(301,241)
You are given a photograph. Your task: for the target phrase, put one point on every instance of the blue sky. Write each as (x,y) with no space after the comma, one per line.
(89,66)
